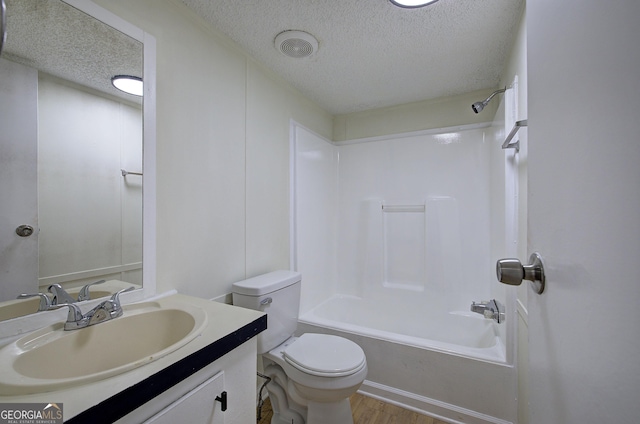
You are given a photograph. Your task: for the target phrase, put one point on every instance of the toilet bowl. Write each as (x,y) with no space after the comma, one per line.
(313,375)
(323,368)
(320,373)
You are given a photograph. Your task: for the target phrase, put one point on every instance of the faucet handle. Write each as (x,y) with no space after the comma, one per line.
(45,301)
(115,298)
(84,292)
(74,317)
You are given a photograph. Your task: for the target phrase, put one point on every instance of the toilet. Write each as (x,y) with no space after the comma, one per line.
(313,375)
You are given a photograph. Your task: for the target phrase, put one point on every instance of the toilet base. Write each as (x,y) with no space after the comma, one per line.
(318,413)
(289,406)
(329,413)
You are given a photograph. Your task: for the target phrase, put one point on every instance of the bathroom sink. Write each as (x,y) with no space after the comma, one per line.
(18,308)
(52,358)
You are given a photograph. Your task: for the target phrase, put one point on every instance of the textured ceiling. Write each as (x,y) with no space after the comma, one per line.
(62,41)
(373,54)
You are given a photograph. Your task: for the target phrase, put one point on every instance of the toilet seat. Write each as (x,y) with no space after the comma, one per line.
(325,355)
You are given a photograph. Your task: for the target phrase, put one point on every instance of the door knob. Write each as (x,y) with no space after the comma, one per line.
(511,271)
(24,230)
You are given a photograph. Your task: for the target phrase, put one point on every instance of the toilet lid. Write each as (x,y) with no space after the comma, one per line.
(325,355)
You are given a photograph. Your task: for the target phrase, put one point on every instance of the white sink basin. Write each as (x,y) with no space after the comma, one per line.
(18,308)
(51,358)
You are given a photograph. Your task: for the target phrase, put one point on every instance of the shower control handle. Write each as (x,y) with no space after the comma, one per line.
(511,271)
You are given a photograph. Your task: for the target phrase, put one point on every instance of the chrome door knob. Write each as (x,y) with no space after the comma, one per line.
(24,230)
(511,271)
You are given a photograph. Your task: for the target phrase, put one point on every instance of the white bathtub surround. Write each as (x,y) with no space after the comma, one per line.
(395,237)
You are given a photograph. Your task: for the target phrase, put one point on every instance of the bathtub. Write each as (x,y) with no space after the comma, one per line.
(447,364)
(411,322)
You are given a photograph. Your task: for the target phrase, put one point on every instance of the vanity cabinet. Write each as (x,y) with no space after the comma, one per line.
(198,406)
(179,386)
(193,400)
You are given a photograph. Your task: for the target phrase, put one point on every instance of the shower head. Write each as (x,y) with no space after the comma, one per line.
(478,106)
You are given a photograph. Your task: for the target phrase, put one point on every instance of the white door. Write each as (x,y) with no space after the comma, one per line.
(18,179)
(584,210)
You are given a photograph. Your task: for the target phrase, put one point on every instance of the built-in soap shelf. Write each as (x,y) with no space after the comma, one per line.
(507,142)
(402,208)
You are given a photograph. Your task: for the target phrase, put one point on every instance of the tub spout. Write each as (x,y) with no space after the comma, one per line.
(480,307)
(491,309)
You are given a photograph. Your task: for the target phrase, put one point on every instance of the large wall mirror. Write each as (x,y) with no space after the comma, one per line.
(77,155)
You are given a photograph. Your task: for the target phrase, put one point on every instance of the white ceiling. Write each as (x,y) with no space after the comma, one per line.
(62,41)
(371,53)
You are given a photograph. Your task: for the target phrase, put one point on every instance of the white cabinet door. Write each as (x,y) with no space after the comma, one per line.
(199,406)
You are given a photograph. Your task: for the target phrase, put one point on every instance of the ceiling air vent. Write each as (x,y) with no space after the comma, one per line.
(296,44)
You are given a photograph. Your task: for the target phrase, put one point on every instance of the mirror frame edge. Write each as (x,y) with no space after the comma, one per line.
(149,169)
(149,141)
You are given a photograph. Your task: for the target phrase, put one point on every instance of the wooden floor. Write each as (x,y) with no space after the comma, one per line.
(367,410)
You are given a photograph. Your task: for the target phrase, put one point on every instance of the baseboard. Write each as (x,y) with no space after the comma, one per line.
(423,405)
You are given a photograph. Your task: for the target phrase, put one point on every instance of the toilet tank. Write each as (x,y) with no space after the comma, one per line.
(278,295)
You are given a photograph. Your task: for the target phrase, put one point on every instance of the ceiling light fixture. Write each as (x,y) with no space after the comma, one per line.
(128,84)
(412,4)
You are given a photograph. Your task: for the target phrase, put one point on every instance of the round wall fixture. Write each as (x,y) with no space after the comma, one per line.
(297,44)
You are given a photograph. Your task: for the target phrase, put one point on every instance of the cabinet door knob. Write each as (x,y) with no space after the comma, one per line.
(511,271)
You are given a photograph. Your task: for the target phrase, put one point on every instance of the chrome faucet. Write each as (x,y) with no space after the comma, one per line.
(60,296)
(105,311)
(491,309)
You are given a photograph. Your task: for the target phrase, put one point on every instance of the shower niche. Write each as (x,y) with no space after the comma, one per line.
(404,246)
(411,246)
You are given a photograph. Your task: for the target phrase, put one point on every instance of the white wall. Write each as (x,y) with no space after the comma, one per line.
(90,217)
(429,114)
(222,153)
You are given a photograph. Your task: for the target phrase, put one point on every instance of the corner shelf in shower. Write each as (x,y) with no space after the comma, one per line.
(507,142)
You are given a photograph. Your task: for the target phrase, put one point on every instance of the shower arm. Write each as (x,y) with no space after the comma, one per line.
(502,90)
